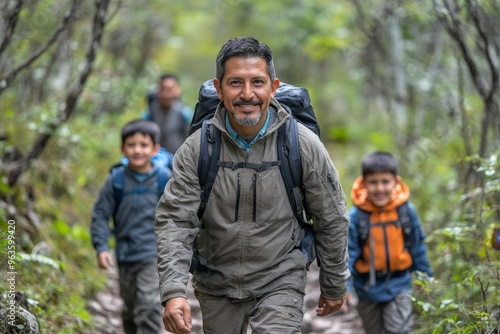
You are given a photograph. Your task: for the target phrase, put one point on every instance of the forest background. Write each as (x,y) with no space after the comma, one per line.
(419,78)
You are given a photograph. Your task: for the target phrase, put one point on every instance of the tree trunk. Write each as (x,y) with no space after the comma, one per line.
(67,107)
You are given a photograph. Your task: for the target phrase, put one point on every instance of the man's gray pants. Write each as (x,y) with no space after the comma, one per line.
(139,289)
(280,311)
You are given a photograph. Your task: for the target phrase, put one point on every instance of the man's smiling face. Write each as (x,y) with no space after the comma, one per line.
(246,90)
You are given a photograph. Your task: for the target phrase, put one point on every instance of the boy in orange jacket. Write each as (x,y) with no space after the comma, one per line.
(386,245)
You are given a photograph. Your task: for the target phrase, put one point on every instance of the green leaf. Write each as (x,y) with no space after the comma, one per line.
(41,259)
(61,227)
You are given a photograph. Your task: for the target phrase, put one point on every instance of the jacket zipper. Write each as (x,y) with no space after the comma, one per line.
(254,186)
(238,193)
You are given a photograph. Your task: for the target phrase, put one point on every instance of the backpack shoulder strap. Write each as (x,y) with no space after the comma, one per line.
(162,177)
(207,163)
(404,219)
(363,226)
(118,181)
(290,160)
(291,168)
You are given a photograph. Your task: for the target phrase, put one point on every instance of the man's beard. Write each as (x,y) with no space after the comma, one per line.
(248,120)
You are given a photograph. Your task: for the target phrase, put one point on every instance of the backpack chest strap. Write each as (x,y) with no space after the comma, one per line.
(258,167)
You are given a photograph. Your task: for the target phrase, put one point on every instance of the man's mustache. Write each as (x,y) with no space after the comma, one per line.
(246,102)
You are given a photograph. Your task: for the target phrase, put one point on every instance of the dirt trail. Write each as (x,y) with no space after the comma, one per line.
(107,305)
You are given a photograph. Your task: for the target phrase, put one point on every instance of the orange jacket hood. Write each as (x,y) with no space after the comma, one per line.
(359,196)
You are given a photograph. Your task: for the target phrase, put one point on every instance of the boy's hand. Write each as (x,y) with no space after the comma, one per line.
(327,306)
(177,315)
(105,259)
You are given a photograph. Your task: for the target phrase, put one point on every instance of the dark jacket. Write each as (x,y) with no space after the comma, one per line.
(133,220)
(173,122)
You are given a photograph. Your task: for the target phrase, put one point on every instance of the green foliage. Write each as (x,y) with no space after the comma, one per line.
(52,293)
(464,297)
(57,268)
(57,276)
(338,134)
(40,259)
(342,53)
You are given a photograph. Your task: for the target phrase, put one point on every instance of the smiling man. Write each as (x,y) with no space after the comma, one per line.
(255,273)
(246,91)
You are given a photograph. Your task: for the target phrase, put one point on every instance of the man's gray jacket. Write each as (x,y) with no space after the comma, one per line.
(248,233)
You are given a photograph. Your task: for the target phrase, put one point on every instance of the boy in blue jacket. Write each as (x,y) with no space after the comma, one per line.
(386,246)
(129,195)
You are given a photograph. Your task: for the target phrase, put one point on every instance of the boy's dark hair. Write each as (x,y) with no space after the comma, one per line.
(142,126)
(168,76)
(379,162)
(244,47)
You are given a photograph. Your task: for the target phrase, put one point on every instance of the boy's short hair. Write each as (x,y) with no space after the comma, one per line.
(379,162)
(142,126)
(166,76)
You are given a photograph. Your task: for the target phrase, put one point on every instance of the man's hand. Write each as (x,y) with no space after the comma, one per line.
(105,259)
(327,306)
(177,315)
(347,303)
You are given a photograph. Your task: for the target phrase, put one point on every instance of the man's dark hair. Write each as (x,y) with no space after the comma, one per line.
(145,127)
(244,47)
(168,76)
(379,162)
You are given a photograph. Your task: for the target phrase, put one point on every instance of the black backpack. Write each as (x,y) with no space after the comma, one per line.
(118,180)
(294,99)
(298,105)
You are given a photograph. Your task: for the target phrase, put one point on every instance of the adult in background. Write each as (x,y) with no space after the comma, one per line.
(166,109)
(255,273)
